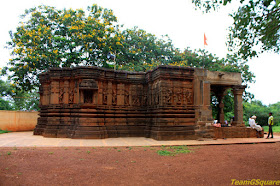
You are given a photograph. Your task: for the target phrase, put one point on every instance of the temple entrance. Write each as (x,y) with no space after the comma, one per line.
(222,103)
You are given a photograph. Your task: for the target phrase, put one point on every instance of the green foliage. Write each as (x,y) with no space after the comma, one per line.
(3,131)
(173,150)
(256,23)
(142,51)
(232,63)
(275,128)
(261,111)
(48,37)
(165,153)
(5,105)
(16,99)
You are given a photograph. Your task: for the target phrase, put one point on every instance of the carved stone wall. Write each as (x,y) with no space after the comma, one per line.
(167,103)
(91,102)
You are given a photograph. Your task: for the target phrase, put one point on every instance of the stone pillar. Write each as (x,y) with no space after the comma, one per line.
(238,106)
(220,96)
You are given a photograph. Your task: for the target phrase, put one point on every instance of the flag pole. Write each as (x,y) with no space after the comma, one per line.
(205,43)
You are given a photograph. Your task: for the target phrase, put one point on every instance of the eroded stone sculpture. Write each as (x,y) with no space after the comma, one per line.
(165,104)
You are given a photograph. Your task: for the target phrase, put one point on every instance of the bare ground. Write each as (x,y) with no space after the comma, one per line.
(205,165)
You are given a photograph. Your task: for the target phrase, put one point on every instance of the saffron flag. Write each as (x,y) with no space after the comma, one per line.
(205,40)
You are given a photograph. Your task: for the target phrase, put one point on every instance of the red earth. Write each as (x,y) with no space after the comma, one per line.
(204,165)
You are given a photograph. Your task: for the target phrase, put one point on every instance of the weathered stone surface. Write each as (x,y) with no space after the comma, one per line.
(167,103)
(237,132)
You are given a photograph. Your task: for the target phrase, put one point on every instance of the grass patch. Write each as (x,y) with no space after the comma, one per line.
(274,128)
(173,150)
(4,131)
(165,153)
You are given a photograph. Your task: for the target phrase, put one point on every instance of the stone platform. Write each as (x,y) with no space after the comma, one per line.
(236,132)
(167,103)
(27,139)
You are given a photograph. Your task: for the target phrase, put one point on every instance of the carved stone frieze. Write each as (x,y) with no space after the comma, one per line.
(167,103)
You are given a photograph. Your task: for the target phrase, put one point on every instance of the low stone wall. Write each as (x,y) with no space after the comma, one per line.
(18,120)
(236,132)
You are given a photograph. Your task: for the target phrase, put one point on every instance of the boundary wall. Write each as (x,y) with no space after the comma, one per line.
(17,121)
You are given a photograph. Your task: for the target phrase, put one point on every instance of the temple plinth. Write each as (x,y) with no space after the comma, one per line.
(167,103)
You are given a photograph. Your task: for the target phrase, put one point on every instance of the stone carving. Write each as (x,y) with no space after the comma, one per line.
(144,100)
(136,100)
(71,96)
(61,93)
(157,104)
(104,97)
(168,97)
(188,97)
(179,96)
(114,96)
(88,84)
(126,97)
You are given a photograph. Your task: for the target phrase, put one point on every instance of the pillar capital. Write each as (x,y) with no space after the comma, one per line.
(238,89)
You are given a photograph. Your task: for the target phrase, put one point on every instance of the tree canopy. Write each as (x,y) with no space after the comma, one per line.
(255,28)
(261,111)
(48,37)
(12,98)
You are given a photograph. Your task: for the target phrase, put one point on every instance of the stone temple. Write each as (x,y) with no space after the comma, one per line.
(167,103)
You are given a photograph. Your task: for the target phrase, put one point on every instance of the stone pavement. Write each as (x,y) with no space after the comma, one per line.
(27,139)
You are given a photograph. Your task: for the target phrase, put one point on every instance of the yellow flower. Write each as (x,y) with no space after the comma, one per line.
(74,28)
(67,15)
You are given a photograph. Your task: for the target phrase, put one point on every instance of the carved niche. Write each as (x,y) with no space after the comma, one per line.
(88,87)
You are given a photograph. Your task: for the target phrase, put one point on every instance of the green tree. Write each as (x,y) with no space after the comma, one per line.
(5,90)
(63,38)
(256,25)
(202,58)
(141,50)
(255,108)
(60,38)
(14,99)
(232,63)
(275,109)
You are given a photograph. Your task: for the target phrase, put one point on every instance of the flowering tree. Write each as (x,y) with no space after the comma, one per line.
(60,38)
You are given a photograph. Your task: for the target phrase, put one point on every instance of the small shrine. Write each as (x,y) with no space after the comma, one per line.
(167,103)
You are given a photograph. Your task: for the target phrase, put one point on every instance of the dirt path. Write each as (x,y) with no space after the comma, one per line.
(205,165)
